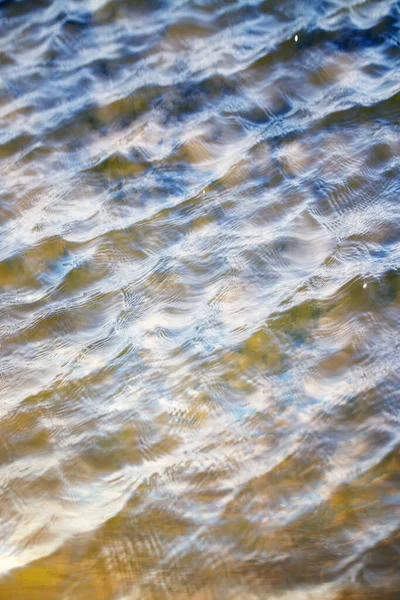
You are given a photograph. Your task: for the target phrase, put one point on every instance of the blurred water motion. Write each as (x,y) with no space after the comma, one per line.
(199,299)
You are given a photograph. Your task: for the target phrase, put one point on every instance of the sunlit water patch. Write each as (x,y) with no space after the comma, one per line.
(199,299)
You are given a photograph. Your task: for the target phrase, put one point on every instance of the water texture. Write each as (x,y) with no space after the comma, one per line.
(199,299)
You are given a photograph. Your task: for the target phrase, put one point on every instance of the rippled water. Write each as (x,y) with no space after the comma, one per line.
(199,299)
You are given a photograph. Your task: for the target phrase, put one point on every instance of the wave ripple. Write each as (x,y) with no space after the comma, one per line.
(199,299)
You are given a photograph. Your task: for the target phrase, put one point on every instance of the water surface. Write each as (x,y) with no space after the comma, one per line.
(199,299)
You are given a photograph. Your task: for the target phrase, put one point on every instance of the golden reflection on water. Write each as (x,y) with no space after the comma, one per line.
(199,300)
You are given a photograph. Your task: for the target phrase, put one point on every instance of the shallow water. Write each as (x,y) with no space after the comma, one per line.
(199,299)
